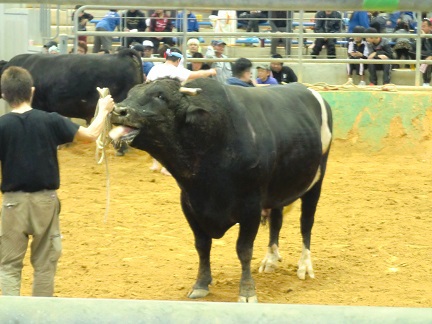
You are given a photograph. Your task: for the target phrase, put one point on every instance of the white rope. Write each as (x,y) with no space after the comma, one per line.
(102,141)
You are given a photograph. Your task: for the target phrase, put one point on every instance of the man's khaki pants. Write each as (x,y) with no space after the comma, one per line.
(24,214)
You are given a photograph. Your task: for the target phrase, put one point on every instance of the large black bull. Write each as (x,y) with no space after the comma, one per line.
(234,151)
(67,84)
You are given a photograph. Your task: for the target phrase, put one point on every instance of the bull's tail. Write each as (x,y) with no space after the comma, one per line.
(2,66)
(136,58)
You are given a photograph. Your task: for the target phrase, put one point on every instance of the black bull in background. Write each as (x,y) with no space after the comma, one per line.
(67,84)
(234,151)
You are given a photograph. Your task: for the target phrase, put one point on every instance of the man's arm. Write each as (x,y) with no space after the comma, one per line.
(201,74)
(92,132)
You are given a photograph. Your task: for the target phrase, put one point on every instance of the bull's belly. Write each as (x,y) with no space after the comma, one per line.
(282,191)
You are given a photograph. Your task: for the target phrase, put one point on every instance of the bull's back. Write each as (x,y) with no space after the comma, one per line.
(67,83)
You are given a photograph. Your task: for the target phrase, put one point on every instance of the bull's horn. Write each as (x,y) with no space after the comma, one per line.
(190,91)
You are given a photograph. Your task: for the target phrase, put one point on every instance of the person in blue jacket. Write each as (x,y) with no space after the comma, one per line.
(109,22)
(192,24)
(358,18)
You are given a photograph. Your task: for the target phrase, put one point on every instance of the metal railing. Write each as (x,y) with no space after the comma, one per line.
(299,34)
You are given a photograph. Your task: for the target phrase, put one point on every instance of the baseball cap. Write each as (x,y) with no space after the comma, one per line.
(263,66)
(148,43)
(219,42)
(50,43)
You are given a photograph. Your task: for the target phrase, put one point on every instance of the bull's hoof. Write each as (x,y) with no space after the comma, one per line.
(252,299)
(198,293)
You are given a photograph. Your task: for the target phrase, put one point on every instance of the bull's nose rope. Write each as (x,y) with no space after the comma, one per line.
(102,141)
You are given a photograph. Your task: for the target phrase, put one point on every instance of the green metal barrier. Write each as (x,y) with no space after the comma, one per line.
(371,117)
(65,311)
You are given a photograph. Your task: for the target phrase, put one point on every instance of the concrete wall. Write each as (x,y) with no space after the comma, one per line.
(373,119)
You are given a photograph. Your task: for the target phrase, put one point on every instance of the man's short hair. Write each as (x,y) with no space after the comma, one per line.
(277,56)
(241,66)
(358,30)
(371,30)
(16,86)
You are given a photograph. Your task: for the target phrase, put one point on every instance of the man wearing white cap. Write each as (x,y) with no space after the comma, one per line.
(148,52)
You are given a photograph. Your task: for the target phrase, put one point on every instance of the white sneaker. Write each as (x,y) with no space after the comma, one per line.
(425,84)
(362,83)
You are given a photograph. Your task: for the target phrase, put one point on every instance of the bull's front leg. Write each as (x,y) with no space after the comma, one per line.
(203,245)
(247,234)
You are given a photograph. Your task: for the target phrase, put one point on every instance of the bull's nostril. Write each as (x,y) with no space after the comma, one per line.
(120,112)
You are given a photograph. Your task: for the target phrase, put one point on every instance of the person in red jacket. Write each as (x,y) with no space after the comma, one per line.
(161,22)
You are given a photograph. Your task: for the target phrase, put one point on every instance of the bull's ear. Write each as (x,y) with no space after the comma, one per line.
(195,114)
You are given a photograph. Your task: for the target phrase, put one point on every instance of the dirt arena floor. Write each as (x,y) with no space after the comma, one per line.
(371,241)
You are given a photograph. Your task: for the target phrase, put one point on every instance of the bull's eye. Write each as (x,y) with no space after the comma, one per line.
(161,97)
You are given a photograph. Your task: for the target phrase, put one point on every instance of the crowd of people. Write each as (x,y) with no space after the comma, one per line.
(397,46)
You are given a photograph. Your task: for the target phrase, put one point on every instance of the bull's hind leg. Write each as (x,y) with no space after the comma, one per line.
(308,208)
(270,261)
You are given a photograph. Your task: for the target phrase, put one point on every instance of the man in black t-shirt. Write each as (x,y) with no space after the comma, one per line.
(283,74)
(30,178)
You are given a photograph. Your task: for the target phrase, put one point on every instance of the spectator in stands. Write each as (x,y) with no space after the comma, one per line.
(81,49)
(358,18)
(278,23)
(283,74)
(402,46)
(224,69)
(108,23)
(193,46)
(242,75)
(83,19)
(326,22)
(48,45)
(160,22)
(225,22)
(265,75)
(379,21)
(253,19)
(174,70)
(426,51)
(357,50)
(378,49)
(192,24)
(134,21)
(196,66)
(148,53)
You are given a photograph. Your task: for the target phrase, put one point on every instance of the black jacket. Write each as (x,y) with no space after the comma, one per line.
(332,23)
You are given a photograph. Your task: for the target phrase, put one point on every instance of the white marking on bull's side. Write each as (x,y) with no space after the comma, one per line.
(316,179)
(269,263)
(325,129)
(305,265)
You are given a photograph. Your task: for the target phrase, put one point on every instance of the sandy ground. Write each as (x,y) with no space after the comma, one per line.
(370,246)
